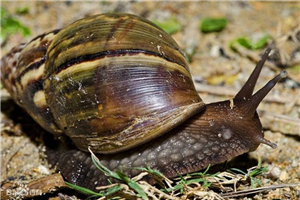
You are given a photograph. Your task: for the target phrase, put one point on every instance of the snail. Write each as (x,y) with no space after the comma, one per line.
(119,85)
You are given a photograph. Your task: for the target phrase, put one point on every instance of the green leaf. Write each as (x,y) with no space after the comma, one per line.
(247,43)
(10,25)
(262,42)
(212,25)
(171,25)
(22,11)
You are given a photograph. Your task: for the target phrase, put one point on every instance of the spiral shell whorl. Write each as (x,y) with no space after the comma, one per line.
(113,82)
(22,75)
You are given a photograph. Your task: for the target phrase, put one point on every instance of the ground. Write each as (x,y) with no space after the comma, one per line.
(218,72)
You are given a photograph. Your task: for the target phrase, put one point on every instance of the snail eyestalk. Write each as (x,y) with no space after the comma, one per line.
(255,100)
(247,90)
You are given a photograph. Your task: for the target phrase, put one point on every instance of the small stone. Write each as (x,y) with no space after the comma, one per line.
(283,176)
(215,51)
(295,163)
(43,170)
(275,173)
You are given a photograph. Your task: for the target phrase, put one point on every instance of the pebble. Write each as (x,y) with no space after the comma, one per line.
(275,173)
(295,163)
(283,176)
(43,170)
(215,51)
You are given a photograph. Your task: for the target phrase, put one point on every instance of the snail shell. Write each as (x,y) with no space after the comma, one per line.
(113,82)
(110,82)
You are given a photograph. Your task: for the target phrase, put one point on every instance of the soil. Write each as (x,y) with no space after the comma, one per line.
(212,63)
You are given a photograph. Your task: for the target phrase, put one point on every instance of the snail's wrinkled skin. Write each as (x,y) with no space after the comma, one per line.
(119,85)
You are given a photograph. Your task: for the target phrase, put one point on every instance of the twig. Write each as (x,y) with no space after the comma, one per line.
(254,56)
(149,189)
(203,195)
(291,104)
(281,39)
(284,124)
(224,91)
(257,190)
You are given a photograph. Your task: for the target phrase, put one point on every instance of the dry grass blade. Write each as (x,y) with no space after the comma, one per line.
(224,179)
(254,56)
(225,91)
(209,195)
(285,58)
(257,190)
(155,174)
(281,123)
(155,193)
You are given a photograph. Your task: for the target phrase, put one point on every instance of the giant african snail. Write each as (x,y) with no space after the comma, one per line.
(112,82)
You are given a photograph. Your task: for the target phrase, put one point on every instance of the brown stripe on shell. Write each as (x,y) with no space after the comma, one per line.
(128,27)
(32,57)
(113,29)
(35,52)
(89,37)
(45,35)
(111,53)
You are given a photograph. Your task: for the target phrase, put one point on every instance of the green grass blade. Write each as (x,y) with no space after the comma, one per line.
(83,190)
(119,176)
(233,170)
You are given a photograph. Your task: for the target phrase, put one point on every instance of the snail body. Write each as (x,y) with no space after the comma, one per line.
(119,85)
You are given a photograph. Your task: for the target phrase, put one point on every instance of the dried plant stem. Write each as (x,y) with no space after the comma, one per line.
(257,190)
(221,90)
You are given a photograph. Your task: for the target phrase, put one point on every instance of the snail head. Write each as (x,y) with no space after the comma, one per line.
(237,119)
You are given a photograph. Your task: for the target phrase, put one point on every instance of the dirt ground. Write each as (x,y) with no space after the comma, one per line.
(218,71)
